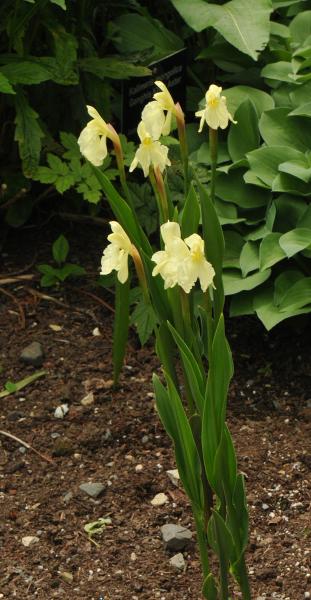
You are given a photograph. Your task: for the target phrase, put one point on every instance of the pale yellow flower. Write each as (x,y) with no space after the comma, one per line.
(197,267)
(169,261)
(93,138)
(151,153)
(215,112)
(115,256)
(182,262)
(154,118)
(165,102)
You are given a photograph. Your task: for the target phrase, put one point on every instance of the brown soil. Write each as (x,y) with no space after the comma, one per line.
(269,416)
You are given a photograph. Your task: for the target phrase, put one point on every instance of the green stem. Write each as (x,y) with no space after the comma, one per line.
(202,543)
(243,581)
(156,192)
(183,148)
(213,144)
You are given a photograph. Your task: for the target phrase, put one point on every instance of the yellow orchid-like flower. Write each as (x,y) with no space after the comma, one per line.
(115,256)
(165,102)
(182,262)
(154,118)
(215,112)
(151,153)
(93,138)
(197,267)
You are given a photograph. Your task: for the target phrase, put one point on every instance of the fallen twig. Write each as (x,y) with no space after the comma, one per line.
(17,279)
(19,385)
(17,439)
(20,308)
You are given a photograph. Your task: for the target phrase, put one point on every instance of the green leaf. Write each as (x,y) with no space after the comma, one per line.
(144,319)
(25,72)
(244,136)
(227,213)
(220,538)
(194,376)
(214,245)
(5,86)
(10,387)
(28,134)
(270,251)
(209,589)
(303,110)
(219,376)
(281,71)
(191,214)
(265,161)
(175,421)
(64,182)
(296,240)
(246,26)
(297,296)
(234,283)
(242,304)
(112,67)
(291,185)
(297,168)
(239,93)
(233,246)
(57,165)
(300,27)
(279,130)
(121,326)
(69,270)
(284,282)
(61,3)
(156,37)
(268,313)
(232,188)
(19,385)
(60,249)
(65,49)
(45,175)
(249,258)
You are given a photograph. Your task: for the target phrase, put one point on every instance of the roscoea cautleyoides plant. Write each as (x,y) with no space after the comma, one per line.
(182,285)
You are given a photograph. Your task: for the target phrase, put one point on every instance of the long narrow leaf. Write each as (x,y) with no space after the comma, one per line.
(175,421)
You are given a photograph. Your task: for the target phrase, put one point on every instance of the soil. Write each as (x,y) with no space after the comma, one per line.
(268,415)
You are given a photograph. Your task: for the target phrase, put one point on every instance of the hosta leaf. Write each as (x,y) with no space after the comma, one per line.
(232,188)
(239,93)
(249,258)
(297,296)
(270,251)
(264,162)
(246,26)
(304,110)
(244,135)
(156,37)
(279,130)
(297,168)
(284,282)
(235,283)
(291,185)
(296,240)
(269,314)
(300,27)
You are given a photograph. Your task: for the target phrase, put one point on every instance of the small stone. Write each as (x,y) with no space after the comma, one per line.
(265,506)
(88,399)
(67,497)
(96,332)
(94,490)
(178,562)
(29,540)
(55,327)
(61,411)
(159,500)
(22,449)
(139,468)
(307,595)
(62,447)
(32,355)
(145,439)
(175,537)
(173,475)
(133,556)
(66,576)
